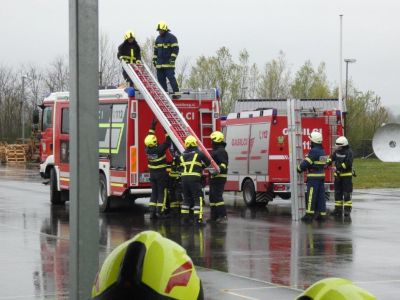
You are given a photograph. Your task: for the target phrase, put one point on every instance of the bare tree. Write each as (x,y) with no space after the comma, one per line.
(57,75)
(109,67)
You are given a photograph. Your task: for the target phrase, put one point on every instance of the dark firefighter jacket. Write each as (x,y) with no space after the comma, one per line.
(156,155)
(129,52)
(220,156)
(166,50)
(193,161)
(314,162)
(343,159)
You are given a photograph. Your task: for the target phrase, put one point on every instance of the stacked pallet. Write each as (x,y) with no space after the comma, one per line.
(16,153)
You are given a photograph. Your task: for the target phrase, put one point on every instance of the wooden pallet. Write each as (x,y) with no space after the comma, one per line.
(16,153)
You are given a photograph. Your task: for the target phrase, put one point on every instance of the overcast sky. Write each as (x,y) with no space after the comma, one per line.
(36,31)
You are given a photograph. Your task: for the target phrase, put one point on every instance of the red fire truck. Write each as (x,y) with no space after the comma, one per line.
(257,144)
(124,122)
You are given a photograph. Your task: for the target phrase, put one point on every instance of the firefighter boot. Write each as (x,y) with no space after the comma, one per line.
(307,218)
(321,217)
(337,212)
(347,211)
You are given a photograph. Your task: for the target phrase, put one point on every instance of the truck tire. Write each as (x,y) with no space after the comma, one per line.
(55,195)
(104,200)
(263,198)
(249,193)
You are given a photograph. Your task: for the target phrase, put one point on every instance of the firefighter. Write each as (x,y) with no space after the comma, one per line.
(166,51)
(193,161)
(148,266)
(314,163)
(217,181)
(158,174)
(175,198)
(342,157)
(129,51)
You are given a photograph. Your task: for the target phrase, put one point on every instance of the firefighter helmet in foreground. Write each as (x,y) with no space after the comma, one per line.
(147,266)
(335,288)
(190,141)
(341,141)
(150,140)
(316,137)
(129,35)
(162,26)
(217,137)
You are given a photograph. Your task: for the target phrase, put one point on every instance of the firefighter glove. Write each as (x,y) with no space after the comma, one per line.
(298,169)
(138,62)
(154,62)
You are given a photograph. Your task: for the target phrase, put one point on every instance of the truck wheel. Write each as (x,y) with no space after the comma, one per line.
(249,193)
(55,195)
(104,201)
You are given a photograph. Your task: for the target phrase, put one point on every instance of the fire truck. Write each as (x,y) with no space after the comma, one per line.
(124,121)
(257,144)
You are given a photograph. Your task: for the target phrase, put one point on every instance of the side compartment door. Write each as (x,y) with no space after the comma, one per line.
(258,148)
(237,146)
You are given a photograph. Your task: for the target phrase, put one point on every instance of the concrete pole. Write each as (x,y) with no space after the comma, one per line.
(340,65)
(84,161)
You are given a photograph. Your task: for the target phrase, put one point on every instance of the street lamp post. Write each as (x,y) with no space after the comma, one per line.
(22,107)
(347,61)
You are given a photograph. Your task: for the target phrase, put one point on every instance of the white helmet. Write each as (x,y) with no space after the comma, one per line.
(316,137)
(341,141)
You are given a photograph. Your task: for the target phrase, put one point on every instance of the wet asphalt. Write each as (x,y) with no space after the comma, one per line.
(259,254)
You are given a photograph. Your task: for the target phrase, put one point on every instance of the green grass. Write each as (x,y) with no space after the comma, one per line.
(372,173)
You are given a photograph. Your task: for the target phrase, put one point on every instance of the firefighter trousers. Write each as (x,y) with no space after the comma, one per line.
(343,190)
(159,181)
(163,74)
(217,205)
(192,198)
(175,198)
(315,197)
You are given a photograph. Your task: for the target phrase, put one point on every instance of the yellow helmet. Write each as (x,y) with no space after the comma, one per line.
(162,26)
(150,140)
(129,35)
(148,266)
(335,288)
(190,141)
(217,137)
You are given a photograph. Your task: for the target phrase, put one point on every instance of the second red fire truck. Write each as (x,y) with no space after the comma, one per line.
(257,144)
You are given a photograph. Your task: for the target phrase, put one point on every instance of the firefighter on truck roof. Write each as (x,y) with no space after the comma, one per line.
(314,163)
(156,156)
(193,161)
(166,51)
(343,160)
(217,181)
(129,51)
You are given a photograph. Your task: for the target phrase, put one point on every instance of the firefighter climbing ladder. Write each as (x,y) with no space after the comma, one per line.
(163,107)
(297,186)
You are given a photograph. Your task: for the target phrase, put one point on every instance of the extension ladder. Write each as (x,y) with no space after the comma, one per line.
(163,108)
(297,185)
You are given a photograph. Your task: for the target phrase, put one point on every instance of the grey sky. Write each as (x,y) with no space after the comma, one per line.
(35,31)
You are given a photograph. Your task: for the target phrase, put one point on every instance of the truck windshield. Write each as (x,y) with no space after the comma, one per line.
(47,120)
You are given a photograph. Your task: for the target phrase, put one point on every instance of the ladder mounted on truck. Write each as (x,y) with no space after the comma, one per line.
(297,185)
(163,108)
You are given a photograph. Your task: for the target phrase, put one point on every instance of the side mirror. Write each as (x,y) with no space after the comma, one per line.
(35,116)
